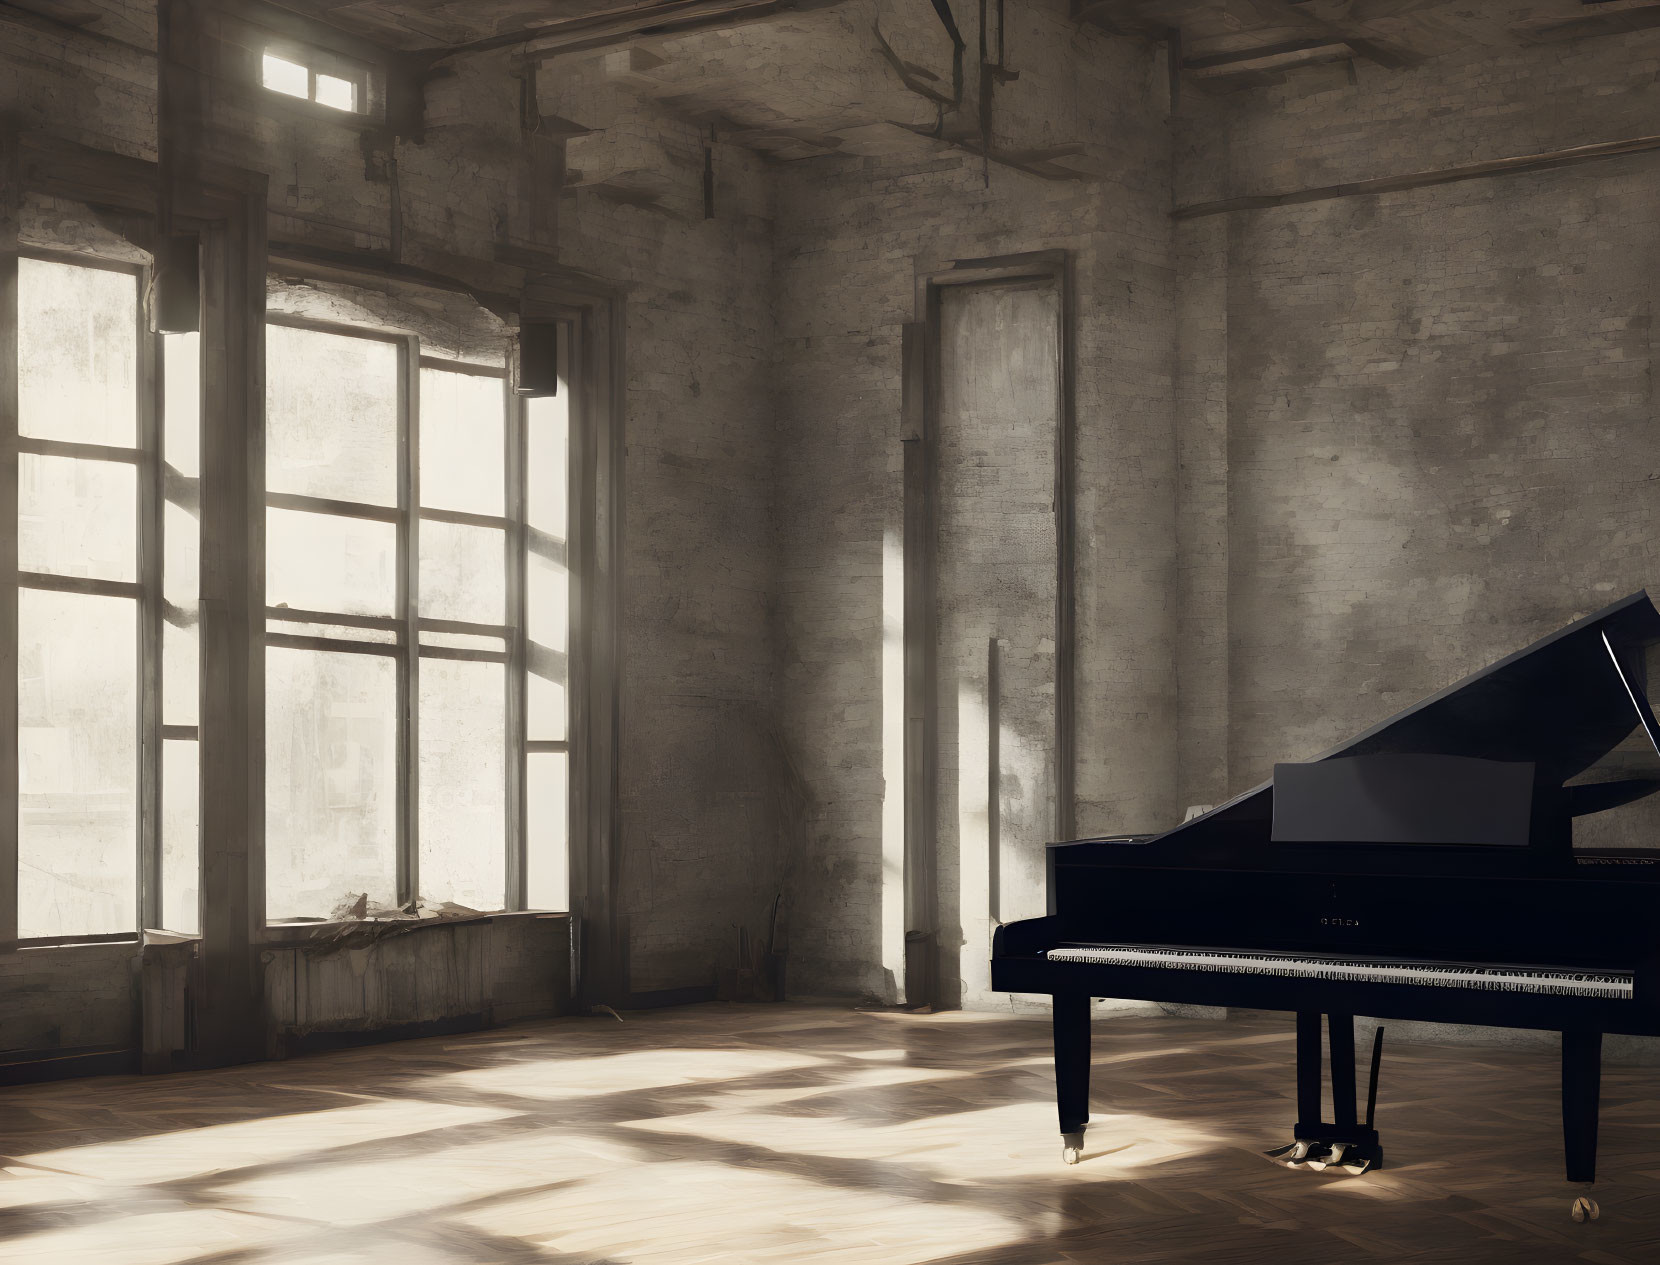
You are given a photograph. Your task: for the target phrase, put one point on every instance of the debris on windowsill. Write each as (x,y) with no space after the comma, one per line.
(355,921)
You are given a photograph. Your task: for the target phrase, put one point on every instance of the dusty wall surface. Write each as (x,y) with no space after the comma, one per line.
(852,237)
(998,430)
(1428,414)
(68,998)
(701,770)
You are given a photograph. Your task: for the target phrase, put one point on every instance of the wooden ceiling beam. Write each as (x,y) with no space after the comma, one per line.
(1363,41)
(1600,17)
(1268,57)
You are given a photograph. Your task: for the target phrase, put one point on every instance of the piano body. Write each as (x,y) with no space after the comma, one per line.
(1422,870)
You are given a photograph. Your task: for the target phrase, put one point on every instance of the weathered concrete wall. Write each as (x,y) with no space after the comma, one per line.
(999,427)
(853,235)
(1439,438)
(68,998)
(701,769)
(475,973)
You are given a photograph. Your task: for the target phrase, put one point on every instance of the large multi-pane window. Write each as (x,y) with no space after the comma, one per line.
(417,607)
(107,436)
(416,735)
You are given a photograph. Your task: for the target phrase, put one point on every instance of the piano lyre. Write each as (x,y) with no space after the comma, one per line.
(1422,870)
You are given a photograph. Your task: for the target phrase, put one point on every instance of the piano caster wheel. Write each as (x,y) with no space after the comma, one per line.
(1072,1146)
(1585,1209)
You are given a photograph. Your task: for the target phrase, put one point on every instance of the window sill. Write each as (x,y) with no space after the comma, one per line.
(150,935)
(124,938)
(280,933)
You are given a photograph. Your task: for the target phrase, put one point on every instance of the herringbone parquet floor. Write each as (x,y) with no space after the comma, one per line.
(794,1133)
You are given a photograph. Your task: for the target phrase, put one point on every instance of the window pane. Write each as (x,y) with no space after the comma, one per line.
(330,780)
(282,75)
(180,581)
(182,403)
(547,830)
(463,795)
(180,855)
(78,764)
(547,446)
(341,94)
(77,353)
(463,442)
(180,675)
(548,602)
(322,562)
(463,572)
(545,716)
(77,517)
(331,416)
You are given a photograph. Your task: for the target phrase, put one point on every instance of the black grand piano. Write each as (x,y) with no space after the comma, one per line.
(1425,869)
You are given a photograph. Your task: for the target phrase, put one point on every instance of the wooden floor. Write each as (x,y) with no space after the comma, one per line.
(791,1133)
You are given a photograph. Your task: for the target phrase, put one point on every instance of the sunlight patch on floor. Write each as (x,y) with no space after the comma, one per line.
(683,1212)
(158,1238)
(387,1188)
(632,1073)
(997,1143)
(182,1153)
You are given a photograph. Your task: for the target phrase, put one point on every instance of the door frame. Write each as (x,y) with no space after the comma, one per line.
(926,959)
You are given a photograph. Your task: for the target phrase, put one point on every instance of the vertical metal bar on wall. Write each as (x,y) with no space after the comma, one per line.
(408,607)
(1065,824)
(517,419)
(582,853)
(994,780)
(149,532)
(11,194)
(920,352)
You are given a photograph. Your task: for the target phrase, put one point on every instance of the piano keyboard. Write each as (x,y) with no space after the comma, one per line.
(1511,979)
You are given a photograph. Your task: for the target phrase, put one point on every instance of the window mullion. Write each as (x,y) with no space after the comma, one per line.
(517,894)
(10,197)
(149,542)
(408,610)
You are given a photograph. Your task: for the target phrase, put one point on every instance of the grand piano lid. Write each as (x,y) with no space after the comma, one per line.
(1564,703)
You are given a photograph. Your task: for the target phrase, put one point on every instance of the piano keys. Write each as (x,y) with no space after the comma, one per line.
(1560,982)
(1424,869)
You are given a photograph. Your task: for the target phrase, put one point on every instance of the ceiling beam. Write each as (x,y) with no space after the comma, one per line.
(1601,17)
(1268,57)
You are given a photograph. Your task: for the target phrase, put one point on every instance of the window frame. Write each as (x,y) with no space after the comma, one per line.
(145,590)
(406,622)
(316,60)
(229,830)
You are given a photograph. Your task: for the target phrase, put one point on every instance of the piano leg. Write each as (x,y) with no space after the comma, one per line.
(1342,1028)
(1308,1073)
(1071,1014)
(1581,1088)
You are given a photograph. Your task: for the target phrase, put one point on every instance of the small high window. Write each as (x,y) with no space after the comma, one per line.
(294,74)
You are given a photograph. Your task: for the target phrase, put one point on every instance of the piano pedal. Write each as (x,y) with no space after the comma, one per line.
(1332,1158)
(1315,1155)
(1291,1154)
